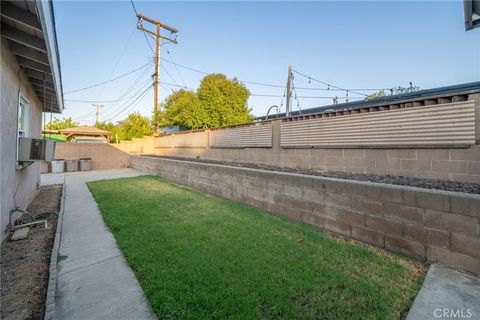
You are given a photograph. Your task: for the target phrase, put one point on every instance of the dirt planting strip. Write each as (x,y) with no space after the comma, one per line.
(25,263)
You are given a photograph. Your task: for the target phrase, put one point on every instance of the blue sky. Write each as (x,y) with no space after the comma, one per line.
(347,44)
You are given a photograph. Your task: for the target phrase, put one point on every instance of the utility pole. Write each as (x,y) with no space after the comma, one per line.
(289,92)
(98,106)
(157,36)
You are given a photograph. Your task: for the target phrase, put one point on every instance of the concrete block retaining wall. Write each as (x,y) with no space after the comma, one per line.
(104,156)
(436,226)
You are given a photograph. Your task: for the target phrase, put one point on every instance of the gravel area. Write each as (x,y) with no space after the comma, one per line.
(25,263)
(389,179)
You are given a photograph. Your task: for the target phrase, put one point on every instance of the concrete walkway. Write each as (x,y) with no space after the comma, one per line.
(94,280)
(447,294)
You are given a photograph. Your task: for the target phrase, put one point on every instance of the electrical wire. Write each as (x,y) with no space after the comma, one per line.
(113,109)
(169,75)
(93,101)
(328,84)
(131,104)
(176,68)
(133,86)
(330,88)
(118,60)
(140,23)
(118,111)
(108,81)
(134,8)
(295,95)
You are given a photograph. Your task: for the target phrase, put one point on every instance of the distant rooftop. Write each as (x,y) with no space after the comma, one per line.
(436,95)
(86,131)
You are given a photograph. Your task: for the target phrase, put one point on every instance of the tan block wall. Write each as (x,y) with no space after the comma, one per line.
(455,164)
(104,156)
(436,226)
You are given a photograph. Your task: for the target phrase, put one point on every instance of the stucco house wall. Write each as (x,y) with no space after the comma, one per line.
(27,179)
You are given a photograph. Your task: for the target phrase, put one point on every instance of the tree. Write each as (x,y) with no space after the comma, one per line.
(377,94)
(116,130)
(217,102)
(59,124)
(135,126)
(224,100)
(182,108)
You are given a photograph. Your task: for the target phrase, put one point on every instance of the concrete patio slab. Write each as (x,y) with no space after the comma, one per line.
(447,294)
(85,176)
(93,279)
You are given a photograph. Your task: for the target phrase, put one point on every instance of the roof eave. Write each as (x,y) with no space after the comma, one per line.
(47,20)
(471,10)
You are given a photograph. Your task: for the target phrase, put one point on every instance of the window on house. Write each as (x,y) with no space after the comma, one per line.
(22,117)
(22,122)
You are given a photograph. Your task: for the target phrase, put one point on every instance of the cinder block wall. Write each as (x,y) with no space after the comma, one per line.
(447,164)
(436,226)
(104,156)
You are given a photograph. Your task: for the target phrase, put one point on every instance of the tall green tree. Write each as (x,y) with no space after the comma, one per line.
(182,108)
(224,100)
(115,129)
(59,124)
(136,126)
(218,102)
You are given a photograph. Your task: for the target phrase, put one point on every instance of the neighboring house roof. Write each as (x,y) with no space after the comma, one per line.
(472,14)
(435,93)
(29,26)
(86,131)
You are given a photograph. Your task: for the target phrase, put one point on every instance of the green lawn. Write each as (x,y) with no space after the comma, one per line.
(201,257)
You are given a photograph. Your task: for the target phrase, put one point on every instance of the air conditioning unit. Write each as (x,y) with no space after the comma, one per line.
(35,150)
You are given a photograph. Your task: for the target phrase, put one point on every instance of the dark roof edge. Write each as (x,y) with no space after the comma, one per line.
(47,20)
(459,89)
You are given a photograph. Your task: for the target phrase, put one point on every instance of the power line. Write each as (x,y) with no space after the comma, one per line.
(267,95)
(302,97)
(133,86)
(185,67)
(117,111)
(176,68)
(140,23)
(168,74)
(134,8)
(328,84)
(131,104)
(102,101)
(175,85)
(296,97)
(119,57)
(143,85)
(330,88)
(108,81)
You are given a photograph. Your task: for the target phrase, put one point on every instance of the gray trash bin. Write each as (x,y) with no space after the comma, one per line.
(58,165)
(72,165)
(44,166)
(85,164)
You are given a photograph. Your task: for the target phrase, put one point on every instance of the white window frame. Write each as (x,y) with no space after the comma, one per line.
(23,111)
(22,128)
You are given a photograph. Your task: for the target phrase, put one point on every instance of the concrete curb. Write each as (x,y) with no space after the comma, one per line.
(52,278)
